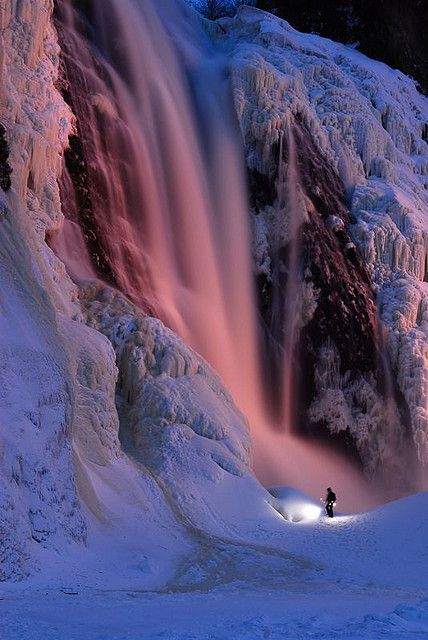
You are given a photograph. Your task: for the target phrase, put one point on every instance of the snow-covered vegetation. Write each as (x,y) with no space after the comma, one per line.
(214,9)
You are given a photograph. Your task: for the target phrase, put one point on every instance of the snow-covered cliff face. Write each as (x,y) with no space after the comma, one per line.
(69,462)
(357,122)
(388,30)
(38,497)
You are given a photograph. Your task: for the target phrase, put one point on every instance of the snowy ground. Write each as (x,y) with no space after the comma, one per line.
(362,576)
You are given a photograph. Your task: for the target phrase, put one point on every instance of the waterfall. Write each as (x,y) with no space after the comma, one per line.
(173,232)
(395,450)
(155,187)
(286,282)
(292,296)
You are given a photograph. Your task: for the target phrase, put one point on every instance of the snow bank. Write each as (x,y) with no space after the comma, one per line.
(356,577)
(177,419)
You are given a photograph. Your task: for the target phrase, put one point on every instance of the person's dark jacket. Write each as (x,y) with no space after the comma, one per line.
(331,497)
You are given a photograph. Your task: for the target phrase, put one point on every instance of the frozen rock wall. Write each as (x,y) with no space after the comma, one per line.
(367,125)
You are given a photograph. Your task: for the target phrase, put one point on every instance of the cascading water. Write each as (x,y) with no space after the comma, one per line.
(174,236)
(282,339)
(396,453)
(296,216)
(156,186)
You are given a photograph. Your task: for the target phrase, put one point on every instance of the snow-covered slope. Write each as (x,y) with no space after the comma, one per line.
(360,577)
(368,125)
(38,497)
(393,31)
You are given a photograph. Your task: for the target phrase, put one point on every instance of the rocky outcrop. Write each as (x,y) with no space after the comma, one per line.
(5,169)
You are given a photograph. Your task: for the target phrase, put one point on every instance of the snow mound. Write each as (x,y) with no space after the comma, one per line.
(176,418)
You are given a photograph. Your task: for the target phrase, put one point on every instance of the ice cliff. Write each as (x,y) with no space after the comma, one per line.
(38,494)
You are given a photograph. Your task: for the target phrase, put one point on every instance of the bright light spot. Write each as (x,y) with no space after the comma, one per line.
(300,511)
(310,512)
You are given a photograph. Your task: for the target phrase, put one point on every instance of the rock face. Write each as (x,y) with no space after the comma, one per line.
(387,30)
(361,146)
(5,169)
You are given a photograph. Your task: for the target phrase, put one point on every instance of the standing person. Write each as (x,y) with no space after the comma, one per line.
(330,501)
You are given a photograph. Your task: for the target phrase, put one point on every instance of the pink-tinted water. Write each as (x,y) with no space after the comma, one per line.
(293,292)
(169,205)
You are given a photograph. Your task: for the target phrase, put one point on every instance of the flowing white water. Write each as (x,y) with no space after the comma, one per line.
(175,235)
(169,212)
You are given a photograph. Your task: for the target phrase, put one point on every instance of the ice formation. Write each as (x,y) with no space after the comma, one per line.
(39,502)
(368,122)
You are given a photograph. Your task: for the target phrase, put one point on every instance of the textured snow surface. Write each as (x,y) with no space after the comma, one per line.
(360,577)
(370,124)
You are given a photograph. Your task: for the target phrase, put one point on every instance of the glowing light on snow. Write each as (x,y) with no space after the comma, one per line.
(311,511)
(301,512)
